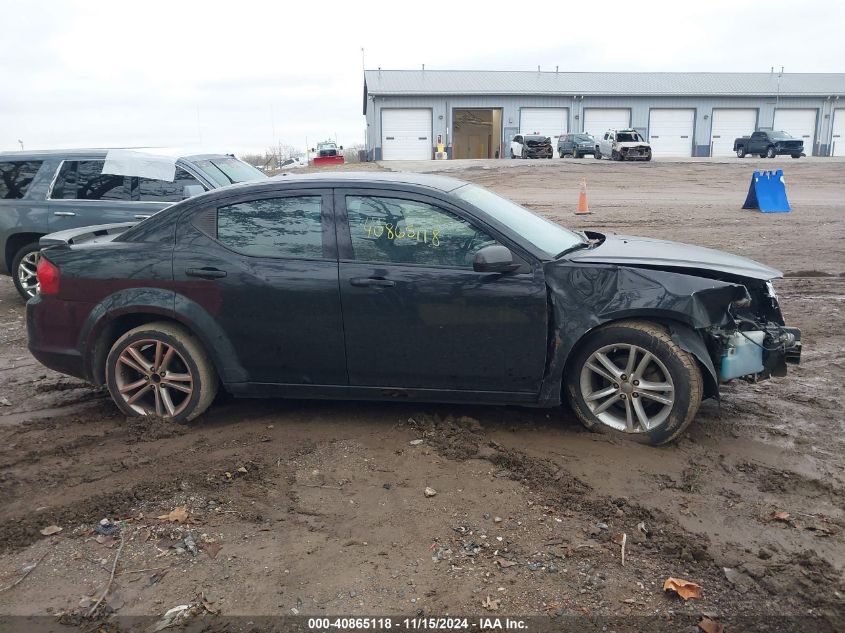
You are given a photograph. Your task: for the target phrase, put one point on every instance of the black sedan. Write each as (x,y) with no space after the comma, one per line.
(363,286)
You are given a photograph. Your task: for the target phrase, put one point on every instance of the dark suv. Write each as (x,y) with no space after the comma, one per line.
(576,145)
(48,191)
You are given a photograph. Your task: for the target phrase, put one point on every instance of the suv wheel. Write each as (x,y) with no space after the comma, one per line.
(631,378)
(770,152)
(160,369)
(740,152)
(24,265)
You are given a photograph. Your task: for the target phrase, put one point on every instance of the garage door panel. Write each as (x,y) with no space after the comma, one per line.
(406,134)
(838,141)
(597,121)
(671,130)
(800,123)
(727,125)
(551,122)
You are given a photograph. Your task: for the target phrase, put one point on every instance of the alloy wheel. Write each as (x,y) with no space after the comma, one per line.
(627,388)
(27,269)
(153,378)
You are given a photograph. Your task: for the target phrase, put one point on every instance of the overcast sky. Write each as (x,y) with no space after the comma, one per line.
(242,75)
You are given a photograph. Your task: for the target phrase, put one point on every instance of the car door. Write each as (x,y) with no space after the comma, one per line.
(415,313)
(603,144)
(81,195)
(264,267)
(516,145)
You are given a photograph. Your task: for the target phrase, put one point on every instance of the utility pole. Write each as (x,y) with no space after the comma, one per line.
(364,74)
(777,97)
(21,142)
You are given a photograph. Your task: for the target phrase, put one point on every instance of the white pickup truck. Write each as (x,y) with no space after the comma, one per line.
(623,145)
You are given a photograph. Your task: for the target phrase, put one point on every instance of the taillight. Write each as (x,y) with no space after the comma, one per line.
(48,277)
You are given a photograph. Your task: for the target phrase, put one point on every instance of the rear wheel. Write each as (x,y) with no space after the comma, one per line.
(770,152)
(160,369)
(630,378)
(597,155)
(24,266)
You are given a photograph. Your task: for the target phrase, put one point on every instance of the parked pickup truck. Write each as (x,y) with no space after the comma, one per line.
(768,144)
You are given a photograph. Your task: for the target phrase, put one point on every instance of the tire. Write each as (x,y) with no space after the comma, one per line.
(512,154)
(170,400)
(763,155)
(770,152)
(561,154)
(524,154)
(648,158)
(740,152)
(796,156)
(597,155)
(669,365)
(24,264)
(616,156)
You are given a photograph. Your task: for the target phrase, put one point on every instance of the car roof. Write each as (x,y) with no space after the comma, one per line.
(369,178)
(97,153)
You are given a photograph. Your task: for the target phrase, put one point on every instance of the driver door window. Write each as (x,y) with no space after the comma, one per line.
(402,231)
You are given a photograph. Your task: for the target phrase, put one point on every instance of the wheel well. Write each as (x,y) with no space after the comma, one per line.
(114,330)
(16,242)
(711,388)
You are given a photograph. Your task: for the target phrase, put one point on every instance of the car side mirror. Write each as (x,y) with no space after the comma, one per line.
(341,147)
(189,191)
(494,259)
(313,150)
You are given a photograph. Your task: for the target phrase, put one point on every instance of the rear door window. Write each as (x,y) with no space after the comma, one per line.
(85,180)
(150,190)
(16,176)
(273,227)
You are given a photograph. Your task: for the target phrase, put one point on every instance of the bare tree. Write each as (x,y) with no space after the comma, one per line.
(352,153)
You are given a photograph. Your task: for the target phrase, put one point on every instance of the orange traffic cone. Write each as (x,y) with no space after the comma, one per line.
(583,209)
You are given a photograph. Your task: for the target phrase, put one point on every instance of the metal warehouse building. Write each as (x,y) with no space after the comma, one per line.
(475,114)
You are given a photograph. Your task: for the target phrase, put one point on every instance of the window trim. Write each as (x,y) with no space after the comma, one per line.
(346,254)
(326,221)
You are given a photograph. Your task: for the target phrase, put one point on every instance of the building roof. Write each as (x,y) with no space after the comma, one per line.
(500,82)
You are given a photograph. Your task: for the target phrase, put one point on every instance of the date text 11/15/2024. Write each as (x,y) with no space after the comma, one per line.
(402,625)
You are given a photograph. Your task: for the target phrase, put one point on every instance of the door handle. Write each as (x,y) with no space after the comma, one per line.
(205,273)
(66,214)
(377,282)
(142,216)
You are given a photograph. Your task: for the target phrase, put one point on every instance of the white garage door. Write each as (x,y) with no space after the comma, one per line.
(838,144)
(597,121)
(800,123)
(551,122)
(727,126)
(406,134)
(670,131)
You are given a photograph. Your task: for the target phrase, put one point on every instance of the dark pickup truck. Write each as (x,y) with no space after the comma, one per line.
(769,144)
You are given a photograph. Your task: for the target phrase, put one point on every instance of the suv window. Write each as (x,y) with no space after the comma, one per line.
(84,180)
(410,232)
(273,227)
(150,190)
(16,176)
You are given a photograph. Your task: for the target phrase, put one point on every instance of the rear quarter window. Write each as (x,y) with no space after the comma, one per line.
(16,176)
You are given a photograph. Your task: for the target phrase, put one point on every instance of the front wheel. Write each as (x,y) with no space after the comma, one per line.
(770,152)
(630,378)
(160,369)
(740,152)
(24,267)
(796,156)
(597,155)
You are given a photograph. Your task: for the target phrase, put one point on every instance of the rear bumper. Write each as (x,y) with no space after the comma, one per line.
(51,335)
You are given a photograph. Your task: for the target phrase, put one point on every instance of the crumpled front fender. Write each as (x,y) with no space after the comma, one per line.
(584,297)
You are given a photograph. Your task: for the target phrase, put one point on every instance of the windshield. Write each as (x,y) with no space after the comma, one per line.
(628,137)
(536,139)
(228,170)
(781,134)
(322,146)
(582,138)
(549,237)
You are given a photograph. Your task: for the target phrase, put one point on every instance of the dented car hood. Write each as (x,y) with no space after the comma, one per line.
(627,250)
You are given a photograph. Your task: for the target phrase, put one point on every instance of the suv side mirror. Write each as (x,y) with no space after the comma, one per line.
(494,259)
(189,191)
(341,147)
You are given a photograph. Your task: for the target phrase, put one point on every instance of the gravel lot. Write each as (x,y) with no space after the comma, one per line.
(318,507)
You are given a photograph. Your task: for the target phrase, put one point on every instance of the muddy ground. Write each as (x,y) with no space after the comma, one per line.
(317,508)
